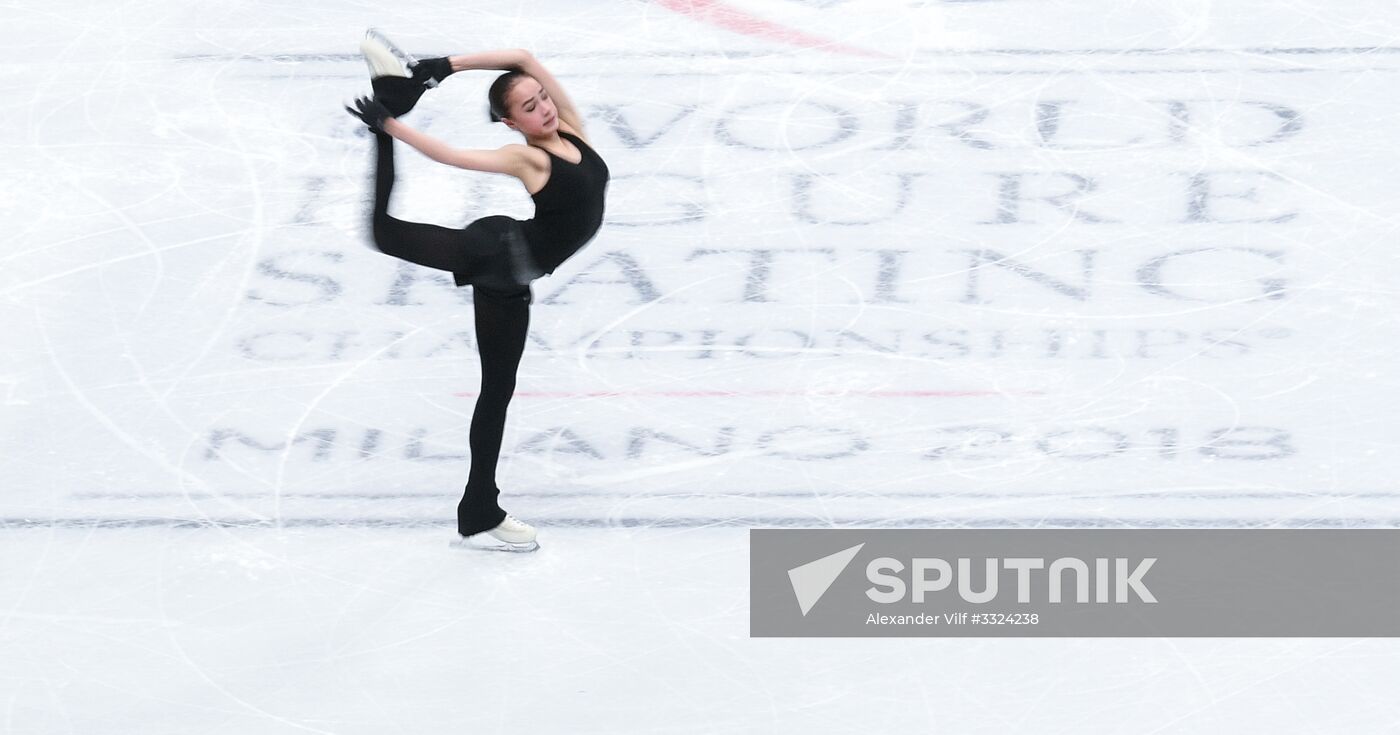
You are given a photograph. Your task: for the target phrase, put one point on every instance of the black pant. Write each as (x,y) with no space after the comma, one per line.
(502,310)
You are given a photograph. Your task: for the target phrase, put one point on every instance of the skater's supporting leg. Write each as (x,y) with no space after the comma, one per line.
(502,321)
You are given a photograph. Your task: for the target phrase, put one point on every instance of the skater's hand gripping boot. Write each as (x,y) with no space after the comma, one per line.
(431,71)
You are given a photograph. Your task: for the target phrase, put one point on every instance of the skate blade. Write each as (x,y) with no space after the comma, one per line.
(486,542)
(382,62)
(379,36)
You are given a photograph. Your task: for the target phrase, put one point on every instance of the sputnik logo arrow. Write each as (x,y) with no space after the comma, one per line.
(811,580)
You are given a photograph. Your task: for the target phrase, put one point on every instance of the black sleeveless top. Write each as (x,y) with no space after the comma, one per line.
(569,209)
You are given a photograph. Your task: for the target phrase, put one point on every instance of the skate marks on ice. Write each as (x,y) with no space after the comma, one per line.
(993,289)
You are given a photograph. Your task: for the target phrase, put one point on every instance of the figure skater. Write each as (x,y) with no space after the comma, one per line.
(497,255)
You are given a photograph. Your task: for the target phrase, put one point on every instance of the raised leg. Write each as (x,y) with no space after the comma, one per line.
(424,244)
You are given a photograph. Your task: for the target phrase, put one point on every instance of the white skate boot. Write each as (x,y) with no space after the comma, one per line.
(380,54)
(512,535)
(428,72)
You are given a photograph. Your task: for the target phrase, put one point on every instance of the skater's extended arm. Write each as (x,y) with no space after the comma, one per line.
(503,59)
(509,159)
(519,58)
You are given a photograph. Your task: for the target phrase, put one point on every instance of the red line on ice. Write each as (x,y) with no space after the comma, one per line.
(730,18)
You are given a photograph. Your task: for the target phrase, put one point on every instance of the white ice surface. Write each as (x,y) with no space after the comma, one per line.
(971,264)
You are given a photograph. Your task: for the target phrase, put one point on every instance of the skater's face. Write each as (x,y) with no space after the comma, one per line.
(532,112)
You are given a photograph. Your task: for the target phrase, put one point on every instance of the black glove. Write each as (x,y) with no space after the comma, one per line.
(431,71)
(371,111)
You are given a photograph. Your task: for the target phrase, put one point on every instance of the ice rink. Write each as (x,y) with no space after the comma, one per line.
(917,264)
